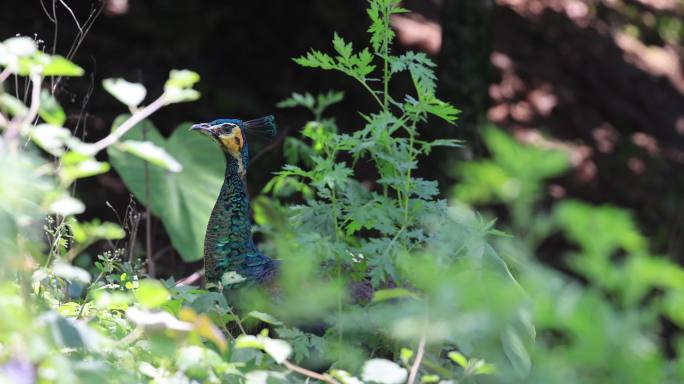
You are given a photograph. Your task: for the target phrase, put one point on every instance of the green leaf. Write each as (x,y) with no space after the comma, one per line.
(316,59)
(383,371)
(157,320)
(65,334)
(151,294)
(51,138)
(76,166)
(178,88)
(183,200)
(406,355)
(515,351)
(181,79)
(131,94)
(265,317)
(18,46)
(458,358)
(343,48)
(393,293)
(48,65)
(148,151)
(429,379)
(66,205)
(94,230)
(70,272)
(50,110)
(279,350)
(298,100)
(11,104)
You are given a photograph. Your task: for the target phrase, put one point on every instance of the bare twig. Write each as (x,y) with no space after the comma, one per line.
(416,363)
(73,16)
(127,125)
(311,374)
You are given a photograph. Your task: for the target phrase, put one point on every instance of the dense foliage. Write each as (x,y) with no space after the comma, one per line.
(382,282)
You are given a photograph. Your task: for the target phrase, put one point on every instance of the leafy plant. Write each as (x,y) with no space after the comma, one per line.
(602,330)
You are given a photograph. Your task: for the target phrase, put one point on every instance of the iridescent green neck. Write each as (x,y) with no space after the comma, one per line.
(228,245)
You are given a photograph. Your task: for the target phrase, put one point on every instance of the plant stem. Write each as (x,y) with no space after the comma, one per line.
(385,57)
(311,374)
(5,74)
(12,132)
(148,218)
(416,364)
(369,89)
(127,125)
(85,301)
(340,330)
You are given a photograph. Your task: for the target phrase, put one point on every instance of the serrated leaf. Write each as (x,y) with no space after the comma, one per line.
(316,59)
(342,47)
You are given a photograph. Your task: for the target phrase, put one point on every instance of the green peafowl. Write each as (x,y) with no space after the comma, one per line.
(228,244)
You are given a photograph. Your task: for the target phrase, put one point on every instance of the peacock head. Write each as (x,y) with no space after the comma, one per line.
(229,134)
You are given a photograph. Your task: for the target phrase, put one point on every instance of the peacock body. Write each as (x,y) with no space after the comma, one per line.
(229,248)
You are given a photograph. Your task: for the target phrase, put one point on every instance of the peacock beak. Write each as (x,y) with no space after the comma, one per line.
(202,128)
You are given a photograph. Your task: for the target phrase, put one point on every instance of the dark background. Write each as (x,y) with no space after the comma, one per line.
(602,79)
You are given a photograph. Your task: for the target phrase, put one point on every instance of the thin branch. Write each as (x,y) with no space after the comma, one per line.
(416,364)
(190,279)
(36,80)
(311,374)
(127,125)
(5,74)
(18,122)
(73,16)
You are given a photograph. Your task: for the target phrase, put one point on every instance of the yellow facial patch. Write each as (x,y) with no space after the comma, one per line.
(233,141)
